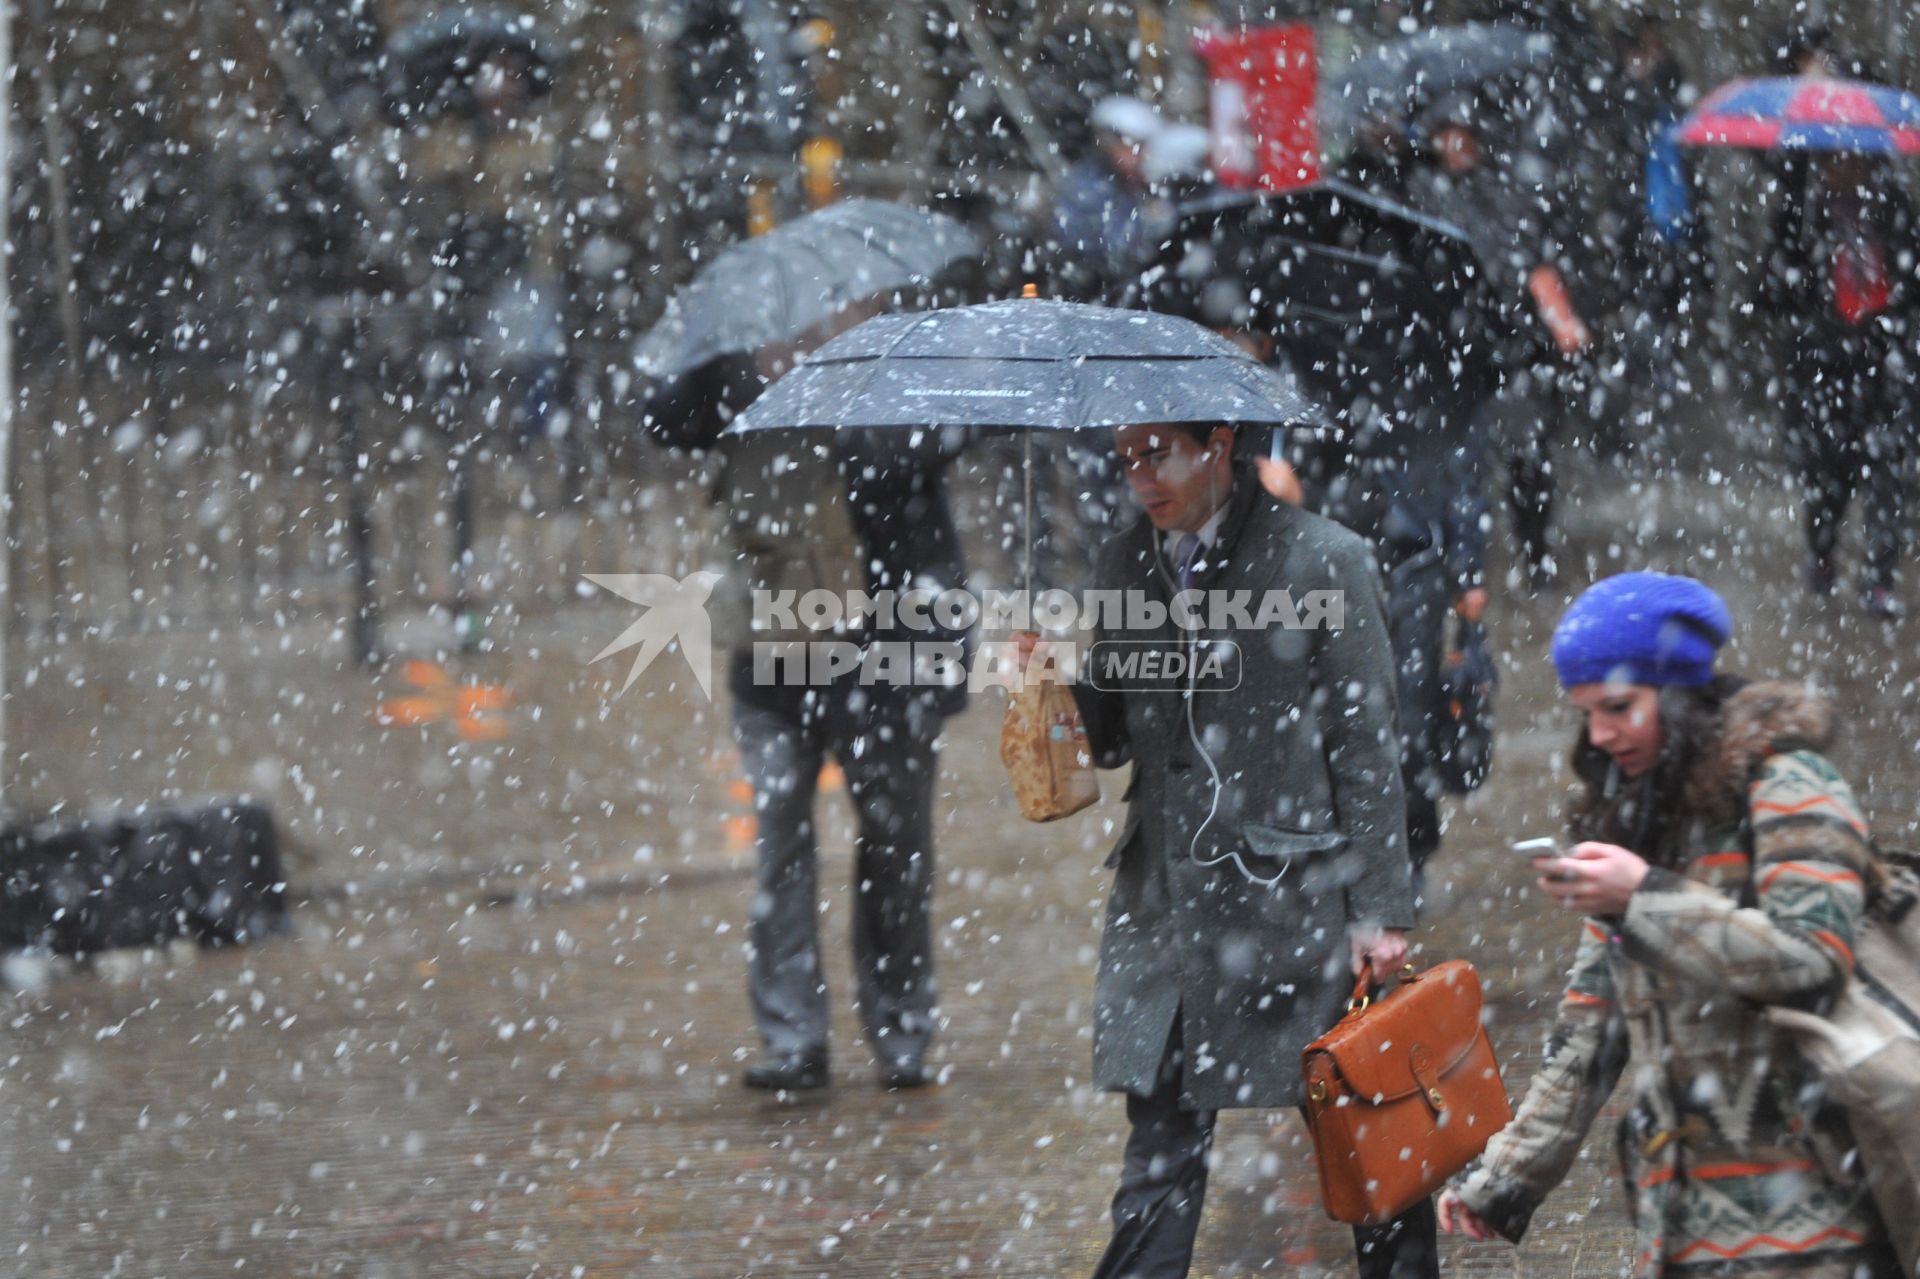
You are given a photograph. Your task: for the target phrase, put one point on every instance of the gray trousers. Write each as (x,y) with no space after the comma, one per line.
(1156,1212)
(888,759)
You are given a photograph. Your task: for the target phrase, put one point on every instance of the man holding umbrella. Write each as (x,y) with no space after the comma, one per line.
(1839,278)
(842,513)
(1264,853)
(1840,288)
(1263,861)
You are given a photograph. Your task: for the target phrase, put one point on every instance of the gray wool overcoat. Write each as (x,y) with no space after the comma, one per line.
(1306,751)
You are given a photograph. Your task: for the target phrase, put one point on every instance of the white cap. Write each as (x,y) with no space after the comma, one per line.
(1130,118)
(1177,151)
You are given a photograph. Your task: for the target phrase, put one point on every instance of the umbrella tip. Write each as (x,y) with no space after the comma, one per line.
(1029,290)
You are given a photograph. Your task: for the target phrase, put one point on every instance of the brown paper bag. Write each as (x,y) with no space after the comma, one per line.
(1044,746)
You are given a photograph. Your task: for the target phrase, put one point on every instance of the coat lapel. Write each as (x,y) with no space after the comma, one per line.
(1241,548)
(1246,548)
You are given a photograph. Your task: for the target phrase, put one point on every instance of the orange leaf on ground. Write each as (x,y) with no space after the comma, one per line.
(409,712)
(425,674)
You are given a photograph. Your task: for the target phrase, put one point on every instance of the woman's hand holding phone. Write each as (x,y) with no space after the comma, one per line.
(1593,879)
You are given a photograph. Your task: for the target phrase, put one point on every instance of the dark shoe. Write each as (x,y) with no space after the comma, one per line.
(905,1074)
(1881,602)
(1820,575)
(796,1073)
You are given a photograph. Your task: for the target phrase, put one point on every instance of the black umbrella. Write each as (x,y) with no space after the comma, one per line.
(1361,295)
(432,61)
(774,288)
(1027,365)
(1394,79)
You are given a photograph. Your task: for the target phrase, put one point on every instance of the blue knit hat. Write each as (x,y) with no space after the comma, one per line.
(1641,628)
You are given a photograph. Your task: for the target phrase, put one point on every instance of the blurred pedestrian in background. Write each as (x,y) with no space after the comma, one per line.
(1178,167)
(837,513)
(1666,254)
(1720,866)
(1513,225)
(484,164)
(1097,222)
(1840,283)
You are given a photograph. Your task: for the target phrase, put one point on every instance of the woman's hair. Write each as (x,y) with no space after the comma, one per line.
(1648,816)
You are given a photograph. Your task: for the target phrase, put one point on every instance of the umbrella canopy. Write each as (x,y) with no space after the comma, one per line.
(1027,365)
(1396,78)
(433,60)
(1362,295)
(772,289)
(1808,113)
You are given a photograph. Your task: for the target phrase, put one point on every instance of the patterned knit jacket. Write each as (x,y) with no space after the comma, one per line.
(1731,1162)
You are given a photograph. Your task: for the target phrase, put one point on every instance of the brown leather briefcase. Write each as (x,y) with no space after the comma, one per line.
(1402,1093)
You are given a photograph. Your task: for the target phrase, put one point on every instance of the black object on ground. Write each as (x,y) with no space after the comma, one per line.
(212,874)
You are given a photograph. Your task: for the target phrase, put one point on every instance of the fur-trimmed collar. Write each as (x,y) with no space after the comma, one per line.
(1764,718)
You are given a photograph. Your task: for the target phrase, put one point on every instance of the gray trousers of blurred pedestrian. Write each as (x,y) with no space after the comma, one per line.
(888,758)
(1163,1185)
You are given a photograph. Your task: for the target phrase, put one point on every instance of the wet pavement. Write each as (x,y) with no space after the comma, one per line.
(508,1036)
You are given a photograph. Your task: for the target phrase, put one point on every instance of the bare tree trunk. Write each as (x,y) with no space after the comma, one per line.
(61,211)
(660,104)
(6,376)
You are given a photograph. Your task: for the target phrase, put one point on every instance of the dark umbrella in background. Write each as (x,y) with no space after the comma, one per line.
(1026,365)
(773,289)
(1398,77)
(432,62)
(1362,297)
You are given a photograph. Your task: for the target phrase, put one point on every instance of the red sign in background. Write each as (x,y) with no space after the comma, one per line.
(1262,82)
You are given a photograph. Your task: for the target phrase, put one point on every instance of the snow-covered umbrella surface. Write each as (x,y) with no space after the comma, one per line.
(1032,364)
(773,288)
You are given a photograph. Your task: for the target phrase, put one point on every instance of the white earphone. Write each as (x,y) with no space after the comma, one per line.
(1195,736)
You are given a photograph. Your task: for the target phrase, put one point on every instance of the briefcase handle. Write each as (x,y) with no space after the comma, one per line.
(1364,989)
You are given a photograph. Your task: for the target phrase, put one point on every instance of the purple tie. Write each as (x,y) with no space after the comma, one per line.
(1186,554)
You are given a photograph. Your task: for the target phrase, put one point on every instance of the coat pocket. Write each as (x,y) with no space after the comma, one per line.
(1128,829)
(1273,850)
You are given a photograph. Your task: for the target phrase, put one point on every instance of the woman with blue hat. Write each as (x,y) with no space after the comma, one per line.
(1721,865)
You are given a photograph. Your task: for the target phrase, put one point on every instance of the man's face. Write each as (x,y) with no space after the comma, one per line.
(1127,158)
(1179,482)
(1459,150)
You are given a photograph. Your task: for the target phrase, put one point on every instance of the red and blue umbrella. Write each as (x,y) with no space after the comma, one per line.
(1806,113)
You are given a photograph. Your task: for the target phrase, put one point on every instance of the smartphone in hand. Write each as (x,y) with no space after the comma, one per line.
(1539,850)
